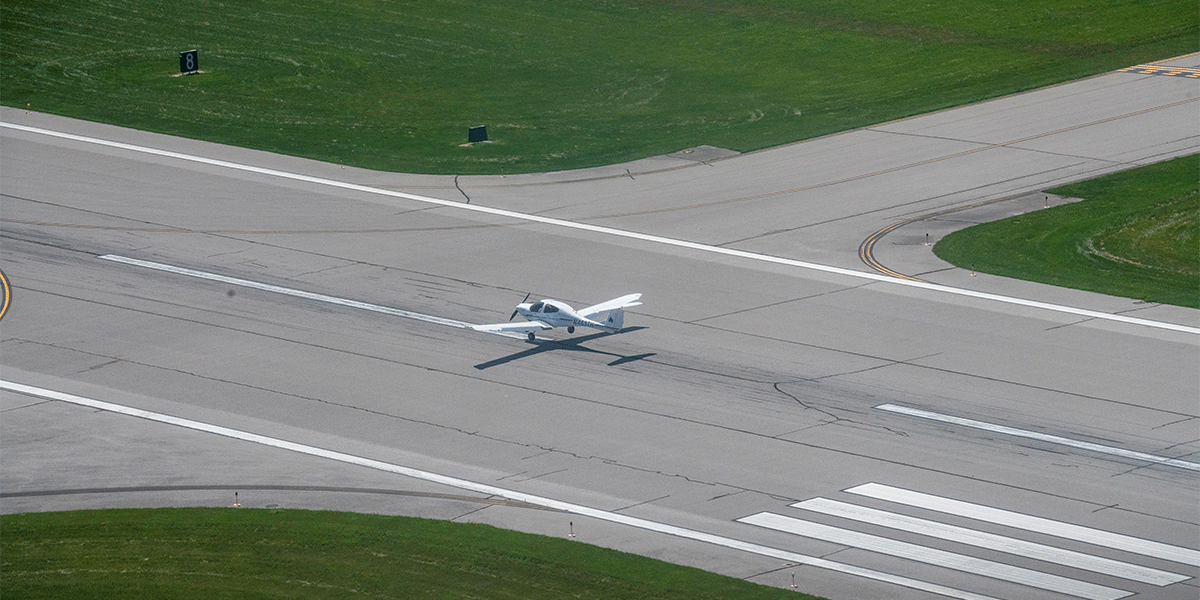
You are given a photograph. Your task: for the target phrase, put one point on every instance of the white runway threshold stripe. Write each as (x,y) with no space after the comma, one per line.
(1080,312)
(933,556)
(1033,435)
(1096,537)
(991,541)
(490,490)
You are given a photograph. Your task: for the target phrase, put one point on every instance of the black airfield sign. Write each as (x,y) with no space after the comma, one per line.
(189,61)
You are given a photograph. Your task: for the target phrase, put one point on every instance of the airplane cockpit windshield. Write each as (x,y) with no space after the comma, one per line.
(537,307)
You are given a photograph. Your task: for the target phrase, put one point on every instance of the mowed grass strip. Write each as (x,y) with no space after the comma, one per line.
(560,84)
(214,553)
(1135,235)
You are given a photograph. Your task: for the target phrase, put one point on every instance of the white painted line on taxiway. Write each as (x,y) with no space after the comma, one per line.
(991,541)
(491,490)
(933,556)
(1033,435)
(1096,537)
(1081,312)
(266,287)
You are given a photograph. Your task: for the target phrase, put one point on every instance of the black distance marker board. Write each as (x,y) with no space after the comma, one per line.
(189,61)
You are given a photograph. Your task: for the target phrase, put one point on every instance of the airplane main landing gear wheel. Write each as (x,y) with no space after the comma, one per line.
(570,329)
(531,336)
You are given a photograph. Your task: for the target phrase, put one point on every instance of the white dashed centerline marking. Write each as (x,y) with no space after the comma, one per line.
(1033,435)
(266,287)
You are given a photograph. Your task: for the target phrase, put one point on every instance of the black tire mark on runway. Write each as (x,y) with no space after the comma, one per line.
(656,361)
(554,393)
(980,478)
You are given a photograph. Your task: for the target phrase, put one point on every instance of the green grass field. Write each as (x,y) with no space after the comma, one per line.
(1135,235)
(560,84)
(248,554)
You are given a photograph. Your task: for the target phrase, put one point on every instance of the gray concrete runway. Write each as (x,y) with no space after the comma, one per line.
(741,387)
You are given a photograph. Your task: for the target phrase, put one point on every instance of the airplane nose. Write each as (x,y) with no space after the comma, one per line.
(519,308)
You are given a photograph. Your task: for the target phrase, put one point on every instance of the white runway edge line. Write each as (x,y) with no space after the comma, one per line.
(266,287)
(933,556)
(1053,439)
(1091,314)
(991,541)
(490,490)
(979,512)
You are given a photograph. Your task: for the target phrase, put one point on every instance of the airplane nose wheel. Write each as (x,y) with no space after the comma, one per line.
(570,329)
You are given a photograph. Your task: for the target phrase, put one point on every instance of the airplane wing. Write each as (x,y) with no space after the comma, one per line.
(615,303)
(525,327)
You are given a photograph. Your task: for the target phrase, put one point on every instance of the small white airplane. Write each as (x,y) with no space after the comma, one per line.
(548,314)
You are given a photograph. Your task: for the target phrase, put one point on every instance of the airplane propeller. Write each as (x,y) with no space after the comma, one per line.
(514,315)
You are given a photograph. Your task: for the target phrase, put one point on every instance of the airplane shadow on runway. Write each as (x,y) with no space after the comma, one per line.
(571,344)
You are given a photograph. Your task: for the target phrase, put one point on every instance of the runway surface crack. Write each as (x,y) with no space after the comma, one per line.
(24,406)
(460,190)
(637,504)
(99,366)
(832,417)
(780,303)
(1175,422)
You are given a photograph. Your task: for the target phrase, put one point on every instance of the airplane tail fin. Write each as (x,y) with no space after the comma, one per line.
(615,319)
